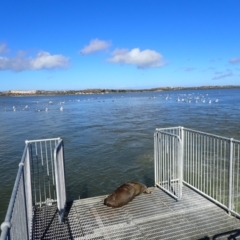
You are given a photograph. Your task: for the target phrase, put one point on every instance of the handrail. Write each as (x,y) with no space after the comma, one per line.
(6,225)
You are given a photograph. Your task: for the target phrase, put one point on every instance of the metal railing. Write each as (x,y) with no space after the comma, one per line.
(168,163)
(210,165)
(40,181)
(19,214)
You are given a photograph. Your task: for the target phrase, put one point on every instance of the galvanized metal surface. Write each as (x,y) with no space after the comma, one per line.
(148,216)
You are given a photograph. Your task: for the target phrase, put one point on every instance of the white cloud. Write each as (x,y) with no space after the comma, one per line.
(95,45)
(46,60)
(43,60)
(142,59)
(234,60)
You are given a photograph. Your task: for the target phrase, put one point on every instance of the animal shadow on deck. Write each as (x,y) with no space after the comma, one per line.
(229,235)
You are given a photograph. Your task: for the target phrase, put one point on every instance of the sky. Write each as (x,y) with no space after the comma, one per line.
(118,44)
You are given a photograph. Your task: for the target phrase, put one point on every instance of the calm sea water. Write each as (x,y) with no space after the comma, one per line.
(108,138)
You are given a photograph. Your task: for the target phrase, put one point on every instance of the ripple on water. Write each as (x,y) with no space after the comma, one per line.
(108,138)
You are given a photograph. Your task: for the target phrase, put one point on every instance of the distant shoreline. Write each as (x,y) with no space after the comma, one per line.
(106,91)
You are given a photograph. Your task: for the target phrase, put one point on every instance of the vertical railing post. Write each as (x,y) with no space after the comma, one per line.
(28,187)
(63,182)
(180,171)
(155,158)
(230,176)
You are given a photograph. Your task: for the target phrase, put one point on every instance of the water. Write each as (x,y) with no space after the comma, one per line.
(108,138)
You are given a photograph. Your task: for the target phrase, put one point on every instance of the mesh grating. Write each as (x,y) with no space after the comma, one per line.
(148,216)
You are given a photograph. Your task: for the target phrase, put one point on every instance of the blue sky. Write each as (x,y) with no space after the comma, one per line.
(127,44)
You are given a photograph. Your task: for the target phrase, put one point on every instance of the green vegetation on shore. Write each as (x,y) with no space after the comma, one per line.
(105,91)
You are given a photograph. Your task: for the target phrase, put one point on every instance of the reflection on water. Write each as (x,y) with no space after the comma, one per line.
(108,138)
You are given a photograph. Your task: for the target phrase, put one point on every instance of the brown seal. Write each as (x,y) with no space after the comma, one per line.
(125,193)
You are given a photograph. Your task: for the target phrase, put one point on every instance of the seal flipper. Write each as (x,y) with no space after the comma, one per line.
(147,190)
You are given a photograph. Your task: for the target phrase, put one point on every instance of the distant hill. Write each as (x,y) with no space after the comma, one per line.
(105,91)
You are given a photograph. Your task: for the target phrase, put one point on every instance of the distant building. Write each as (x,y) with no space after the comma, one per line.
(23,92)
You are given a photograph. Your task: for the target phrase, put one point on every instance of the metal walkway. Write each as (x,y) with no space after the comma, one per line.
(148,216)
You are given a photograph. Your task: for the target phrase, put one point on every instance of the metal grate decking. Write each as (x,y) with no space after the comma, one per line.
(148,216)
